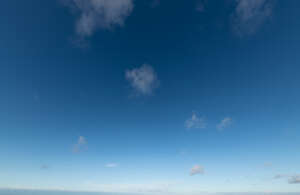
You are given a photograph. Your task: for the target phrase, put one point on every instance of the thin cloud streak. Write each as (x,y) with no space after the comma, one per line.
(111,165)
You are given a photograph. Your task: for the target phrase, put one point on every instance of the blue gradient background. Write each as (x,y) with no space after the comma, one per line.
(53,92)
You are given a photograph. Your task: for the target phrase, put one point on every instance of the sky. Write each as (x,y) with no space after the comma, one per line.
(150,96)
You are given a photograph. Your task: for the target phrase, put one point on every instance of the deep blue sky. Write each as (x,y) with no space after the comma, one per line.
(213,106)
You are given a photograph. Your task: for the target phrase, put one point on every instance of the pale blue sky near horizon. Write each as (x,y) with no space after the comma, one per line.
(149,96)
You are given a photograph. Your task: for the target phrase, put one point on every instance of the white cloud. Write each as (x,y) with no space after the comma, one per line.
(103,14)
(195,122)
(224,123)
(81,142)
(197,169)
(111,165)
(143,80)
(294,179)
(249,15)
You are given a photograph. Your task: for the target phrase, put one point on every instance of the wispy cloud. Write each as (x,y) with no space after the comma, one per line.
(99,14)
(226,122)
(249,15)
(197,169)
(80,145)
(111,165)
(295,179)
(279,176)
(45,167)
(143,79)
(291,179)
(149,187)
(195,122)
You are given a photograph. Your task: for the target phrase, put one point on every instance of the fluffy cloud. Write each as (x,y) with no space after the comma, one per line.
(224,123)
(195,122)
(81,143)
(249,15)
(103,14)
(197,169)
(143,80)
(111,165)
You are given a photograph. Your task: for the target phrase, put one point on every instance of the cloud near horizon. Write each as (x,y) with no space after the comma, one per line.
(99,14)
(295,179)
(291,179)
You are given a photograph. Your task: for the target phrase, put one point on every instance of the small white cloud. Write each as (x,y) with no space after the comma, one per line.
(195,122)
(294,179)
(226,122)
(249,15)
(103,14)
(111,165)
(197,169)
(143,80)
(80,144)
